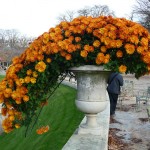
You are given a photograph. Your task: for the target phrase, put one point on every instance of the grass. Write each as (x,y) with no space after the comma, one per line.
(60,114)
(1,77)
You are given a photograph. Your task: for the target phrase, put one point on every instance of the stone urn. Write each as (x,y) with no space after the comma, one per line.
(92,95)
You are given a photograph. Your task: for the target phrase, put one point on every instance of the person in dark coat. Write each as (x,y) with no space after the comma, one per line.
(114,82)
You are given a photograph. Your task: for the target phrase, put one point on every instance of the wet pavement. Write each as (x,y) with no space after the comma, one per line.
(133,127)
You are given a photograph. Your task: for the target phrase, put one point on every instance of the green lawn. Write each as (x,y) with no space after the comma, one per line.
(1,77)
(62,117)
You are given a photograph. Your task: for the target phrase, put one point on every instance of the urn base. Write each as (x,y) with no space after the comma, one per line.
(85,130)
(90,126)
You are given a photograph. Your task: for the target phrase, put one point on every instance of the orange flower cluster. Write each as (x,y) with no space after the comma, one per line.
(40,66)
(116,43)
(42,130)
(122,69)
(7,124)
(108,33)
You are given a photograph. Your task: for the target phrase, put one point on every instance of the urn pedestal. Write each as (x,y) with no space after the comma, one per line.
(91,95)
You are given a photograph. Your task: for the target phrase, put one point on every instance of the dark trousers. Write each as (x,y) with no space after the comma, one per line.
(113,102)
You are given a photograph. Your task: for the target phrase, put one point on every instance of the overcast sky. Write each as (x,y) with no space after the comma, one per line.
(33,17)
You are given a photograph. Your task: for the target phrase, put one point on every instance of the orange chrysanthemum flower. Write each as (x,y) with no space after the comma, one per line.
(35,75)
(42,130)
(11,111)
(68,56)
(77,39)
(67,33)
(103,49)
(19,82)
(144,41)
(84,53)
(122,69)
(106,60)
(4,111)
(7,125)
(89,30)
(118,43)
(11,118)
(40,66)
(29,72)
(119,54)
(25,98)
(140,49)
(130,48)
(96,43)
(33,80)
(100,58)
(134,39)
(48,60)
(18,100)
(17,126)
(27,79)
(7,92)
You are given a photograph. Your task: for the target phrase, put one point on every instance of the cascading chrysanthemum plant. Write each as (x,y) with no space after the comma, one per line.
(116,43)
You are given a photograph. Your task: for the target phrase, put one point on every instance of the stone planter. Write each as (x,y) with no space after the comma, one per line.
(91,95)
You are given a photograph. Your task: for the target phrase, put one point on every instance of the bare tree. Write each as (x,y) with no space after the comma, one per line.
(142,11)
(12,38)
(84,12)
(12,43)
(95,11)
(68,16)
(131,16)
(8,39)
(3,43)
(23,42)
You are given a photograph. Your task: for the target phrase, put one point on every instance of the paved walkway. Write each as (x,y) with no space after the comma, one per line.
(132,126)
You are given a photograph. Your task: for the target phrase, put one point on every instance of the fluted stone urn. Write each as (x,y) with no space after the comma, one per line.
(92,96)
